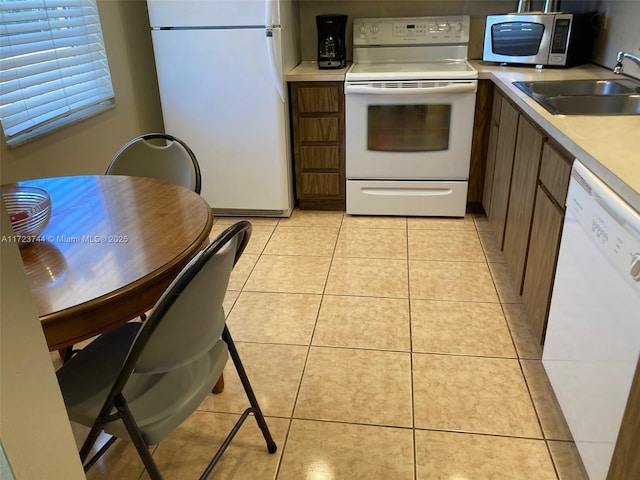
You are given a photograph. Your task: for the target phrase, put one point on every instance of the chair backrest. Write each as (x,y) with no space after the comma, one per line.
(172,161)
(189,319)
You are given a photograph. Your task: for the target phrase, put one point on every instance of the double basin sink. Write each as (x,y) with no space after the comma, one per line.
(585,97)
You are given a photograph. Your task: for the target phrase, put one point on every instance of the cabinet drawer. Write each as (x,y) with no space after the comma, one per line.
(318,99)
(555,171)
(324,129)
(320,158)
(322,184)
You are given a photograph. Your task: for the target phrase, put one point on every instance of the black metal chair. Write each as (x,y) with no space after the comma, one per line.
(172,161)
(140,381)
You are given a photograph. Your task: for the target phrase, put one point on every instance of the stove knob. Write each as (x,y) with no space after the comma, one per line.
(635,267)
(374,28)
(457,26)
(363,29)
(447,27)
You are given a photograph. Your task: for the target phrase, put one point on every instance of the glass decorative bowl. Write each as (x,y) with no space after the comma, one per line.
(29,210)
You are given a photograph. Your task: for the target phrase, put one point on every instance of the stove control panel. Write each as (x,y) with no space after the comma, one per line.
(411,30)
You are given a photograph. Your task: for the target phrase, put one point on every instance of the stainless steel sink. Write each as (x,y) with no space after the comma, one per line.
(585,97)
(579,87)
(593,104)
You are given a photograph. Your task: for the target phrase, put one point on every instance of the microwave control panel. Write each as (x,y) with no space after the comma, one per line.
(560,35)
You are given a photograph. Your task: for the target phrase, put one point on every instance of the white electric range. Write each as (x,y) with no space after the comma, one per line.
(410,99)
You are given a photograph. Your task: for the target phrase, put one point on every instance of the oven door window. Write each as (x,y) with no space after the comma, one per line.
(408,128)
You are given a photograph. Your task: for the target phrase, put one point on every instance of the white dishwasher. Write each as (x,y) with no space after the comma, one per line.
(592,344)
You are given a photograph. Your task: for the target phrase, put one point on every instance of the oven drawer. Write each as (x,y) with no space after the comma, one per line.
(406,198)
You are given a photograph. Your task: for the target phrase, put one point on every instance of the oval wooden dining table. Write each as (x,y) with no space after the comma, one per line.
(112,246)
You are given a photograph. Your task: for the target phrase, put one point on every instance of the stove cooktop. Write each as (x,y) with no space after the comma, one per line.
(454,69)
(411,48)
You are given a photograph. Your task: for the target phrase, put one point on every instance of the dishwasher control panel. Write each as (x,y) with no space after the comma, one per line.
(611,223)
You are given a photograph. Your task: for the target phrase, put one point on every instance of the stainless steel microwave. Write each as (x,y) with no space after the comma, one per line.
(553,39)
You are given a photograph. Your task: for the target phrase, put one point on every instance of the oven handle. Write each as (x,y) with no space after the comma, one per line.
(453,88)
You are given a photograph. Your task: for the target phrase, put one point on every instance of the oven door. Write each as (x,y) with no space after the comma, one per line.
(409,130)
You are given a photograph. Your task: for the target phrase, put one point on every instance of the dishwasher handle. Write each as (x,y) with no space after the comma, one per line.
(397,88)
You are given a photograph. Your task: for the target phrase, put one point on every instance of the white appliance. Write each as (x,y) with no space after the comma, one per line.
(409,100)
(220,67)
(592,344)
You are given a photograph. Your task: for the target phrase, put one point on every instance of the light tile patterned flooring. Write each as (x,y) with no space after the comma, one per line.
(379,348)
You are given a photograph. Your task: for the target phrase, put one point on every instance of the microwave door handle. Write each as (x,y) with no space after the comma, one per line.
(453,88)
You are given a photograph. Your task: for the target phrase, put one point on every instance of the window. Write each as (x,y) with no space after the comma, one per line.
(53,66)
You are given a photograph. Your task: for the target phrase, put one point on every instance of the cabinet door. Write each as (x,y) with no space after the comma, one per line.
(541,262)
(491,163)
(481,126)
(502,170)
(492,145)
(526,164)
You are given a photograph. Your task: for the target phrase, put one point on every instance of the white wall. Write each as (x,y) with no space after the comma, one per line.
(621,32)
(34,427)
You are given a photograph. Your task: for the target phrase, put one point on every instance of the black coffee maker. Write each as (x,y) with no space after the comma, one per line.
(331,41)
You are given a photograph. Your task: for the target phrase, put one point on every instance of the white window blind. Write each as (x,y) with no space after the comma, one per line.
(53,66)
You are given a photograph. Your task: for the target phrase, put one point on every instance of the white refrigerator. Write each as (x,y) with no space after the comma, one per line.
(220,67)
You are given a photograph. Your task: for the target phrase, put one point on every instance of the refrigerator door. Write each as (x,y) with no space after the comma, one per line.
(229,112)
(210,13)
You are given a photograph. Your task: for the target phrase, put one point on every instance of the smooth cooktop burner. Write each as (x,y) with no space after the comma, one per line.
(412,71)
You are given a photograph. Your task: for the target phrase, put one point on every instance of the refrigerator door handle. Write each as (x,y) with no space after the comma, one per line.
(271,14)
(273,69)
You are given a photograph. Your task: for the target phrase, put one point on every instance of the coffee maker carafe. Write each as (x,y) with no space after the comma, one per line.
(331,40)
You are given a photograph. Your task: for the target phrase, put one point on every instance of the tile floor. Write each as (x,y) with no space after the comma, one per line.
(379,348)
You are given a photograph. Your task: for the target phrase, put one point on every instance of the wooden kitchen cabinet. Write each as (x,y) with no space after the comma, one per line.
(317,113)
(525,188)
(503,165)
(546,229)
(625,463)
(524,179)
(481,125)
(492,144)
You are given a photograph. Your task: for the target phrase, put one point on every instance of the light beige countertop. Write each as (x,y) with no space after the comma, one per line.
(608,145)
(309,72)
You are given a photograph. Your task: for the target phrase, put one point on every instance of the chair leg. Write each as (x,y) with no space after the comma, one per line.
(99,454)
(271,445)
(90,440)
(225,444)
(219,386)
(136,437)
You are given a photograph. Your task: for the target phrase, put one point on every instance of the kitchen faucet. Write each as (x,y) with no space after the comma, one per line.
(621,56)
